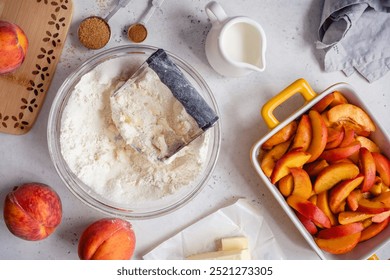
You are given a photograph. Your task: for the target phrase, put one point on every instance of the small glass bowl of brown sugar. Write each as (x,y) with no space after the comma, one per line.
(94,32)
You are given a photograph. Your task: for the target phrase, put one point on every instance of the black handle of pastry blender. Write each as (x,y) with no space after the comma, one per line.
(182,89)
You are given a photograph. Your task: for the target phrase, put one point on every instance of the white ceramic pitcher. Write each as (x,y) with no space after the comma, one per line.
(235,46)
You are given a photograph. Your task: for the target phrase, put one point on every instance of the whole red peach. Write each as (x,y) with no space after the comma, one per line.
(32,211)
(107,239)
(13,46)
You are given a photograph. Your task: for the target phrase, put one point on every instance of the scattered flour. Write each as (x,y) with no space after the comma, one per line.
(98,155)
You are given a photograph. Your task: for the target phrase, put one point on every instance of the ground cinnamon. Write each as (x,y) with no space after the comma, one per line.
(137,33)
(94,33)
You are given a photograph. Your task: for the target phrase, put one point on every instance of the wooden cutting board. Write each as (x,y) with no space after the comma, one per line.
(46,24)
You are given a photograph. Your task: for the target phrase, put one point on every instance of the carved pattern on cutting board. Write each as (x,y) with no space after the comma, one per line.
(36,86)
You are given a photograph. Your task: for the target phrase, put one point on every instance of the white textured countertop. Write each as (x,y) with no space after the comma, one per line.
(181,27)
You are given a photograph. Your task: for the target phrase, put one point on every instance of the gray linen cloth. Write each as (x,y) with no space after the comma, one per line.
(355,35)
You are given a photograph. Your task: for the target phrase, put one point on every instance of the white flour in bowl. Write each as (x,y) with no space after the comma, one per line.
(97,154)
(149,118)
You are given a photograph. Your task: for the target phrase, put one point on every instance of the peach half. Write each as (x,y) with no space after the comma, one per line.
(107,239)
(13,46)
(32,211)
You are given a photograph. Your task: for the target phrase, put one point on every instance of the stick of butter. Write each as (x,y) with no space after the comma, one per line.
(229,248)
(233,243)
(222,255)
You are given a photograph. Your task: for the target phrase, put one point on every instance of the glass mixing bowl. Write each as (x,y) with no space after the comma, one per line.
(85,193)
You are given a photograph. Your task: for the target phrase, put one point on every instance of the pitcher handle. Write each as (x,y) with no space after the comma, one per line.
(299,86)
(215,12)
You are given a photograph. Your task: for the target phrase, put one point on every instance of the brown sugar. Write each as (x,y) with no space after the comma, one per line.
(94,33)
(137,33)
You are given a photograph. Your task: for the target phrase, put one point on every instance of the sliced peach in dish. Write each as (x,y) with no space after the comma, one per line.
(371,207)
(357,129)
(307,223)
(349,137)
(367,222)
(281,136)
(340,230)
(288,160)
(348,217)
(269,159)
(333,174)
(378,218)
(368,169)
(378,186)
(353,199)
(315,167)
(341,206)
(382,164)
(338,153)
(351,115)
(368,143)
(286,185)
(309,210)
(323,204)
(302,182)
(338,98)
(324,116)
(340,245)
(373,230)
(345,160)
(319,135)
(340,192)
(303,134)
(335,133)
(383,198)
(321,105)
(313,199)
(335,137)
